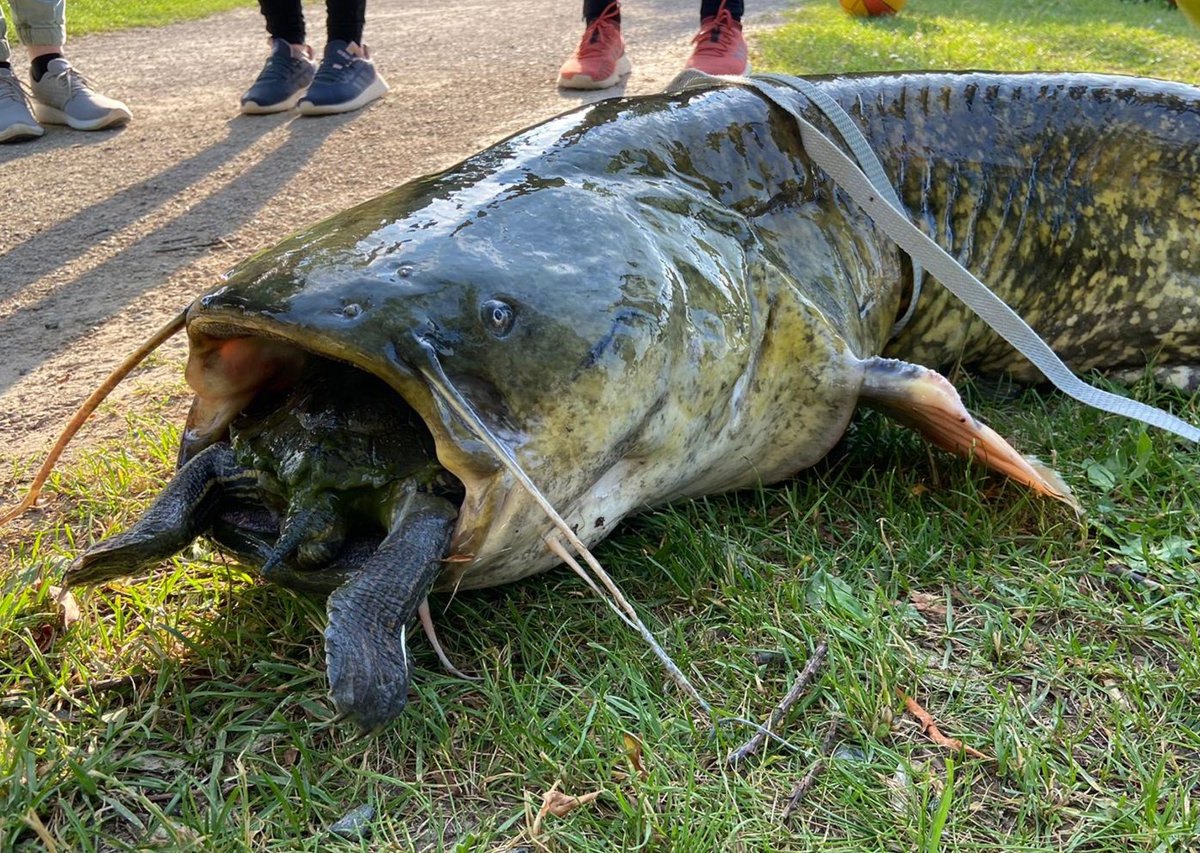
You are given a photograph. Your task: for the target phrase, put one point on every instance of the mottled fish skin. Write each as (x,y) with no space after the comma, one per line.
(1075,197)
(692,300)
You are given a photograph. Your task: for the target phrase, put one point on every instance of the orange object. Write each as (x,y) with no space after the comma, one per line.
(872,8)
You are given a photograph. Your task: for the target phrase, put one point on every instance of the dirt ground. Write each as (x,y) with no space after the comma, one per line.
(104,236)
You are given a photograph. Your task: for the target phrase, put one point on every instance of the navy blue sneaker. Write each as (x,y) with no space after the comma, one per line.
(282,82)
(346,80)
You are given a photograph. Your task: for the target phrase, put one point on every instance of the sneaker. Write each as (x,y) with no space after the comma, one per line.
(282,81)
(600,60)
(346,80)
(16,119)
(720,48)
(64,96)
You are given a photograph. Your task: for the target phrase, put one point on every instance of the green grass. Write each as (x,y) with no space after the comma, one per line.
(100,16)
(188,709)
(1116,36)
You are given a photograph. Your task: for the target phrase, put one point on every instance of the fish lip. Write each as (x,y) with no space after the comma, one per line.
(467,460)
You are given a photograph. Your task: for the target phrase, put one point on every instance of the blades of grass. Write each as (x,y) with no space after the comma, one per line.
(934,844)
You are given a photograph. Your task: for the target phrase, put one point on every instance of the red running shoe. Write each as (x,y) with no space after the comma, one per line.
(600,60)
(720,47)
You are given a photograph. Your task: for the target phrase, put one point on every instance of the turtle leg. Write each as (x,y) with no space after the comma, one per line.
(180,513)
(365,652)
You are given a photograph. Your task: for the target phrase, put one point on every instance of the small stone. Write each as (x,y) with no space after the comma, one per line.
(849,753)
(769,658)
(355,823)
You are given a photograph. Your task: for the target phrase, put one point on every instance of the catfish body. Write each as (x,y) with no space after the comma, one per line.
(662,297)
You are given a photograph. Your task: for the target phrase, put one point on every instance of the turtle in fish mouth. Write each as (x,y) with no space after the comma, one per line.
(329,485)
(465,380)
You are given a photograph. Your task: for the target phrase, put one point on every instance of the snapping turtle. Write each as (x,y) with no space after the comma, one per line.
(330,485)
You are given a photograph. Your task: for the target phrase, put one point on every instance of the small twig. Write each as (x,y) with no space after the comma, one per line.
(34,822)
(1132,575)
(802,787)
(801,684)
(931,730)
(125,681)
(89,405)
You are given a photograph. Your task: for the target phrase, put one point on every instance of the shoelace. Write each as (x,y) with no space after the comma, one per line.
(278,67)
(718,35)
(76,82)
(331,72)
(12,89)
(596,43)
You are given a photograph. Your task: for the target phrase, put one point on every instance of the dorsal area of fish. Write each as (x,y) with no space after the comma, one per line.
(1075,197)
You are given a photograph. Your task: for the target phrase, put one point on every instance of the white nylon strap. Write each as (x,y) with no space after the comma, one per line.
(952,275)
(863,153)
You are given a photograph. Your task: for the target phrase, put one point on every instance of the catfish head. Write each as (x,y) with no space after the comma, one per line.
(579,320)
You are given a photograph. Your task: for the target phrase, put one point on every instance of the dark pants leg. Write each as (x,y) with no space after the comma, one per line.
(345,19)
(593,9)
(285,19)
(709,8)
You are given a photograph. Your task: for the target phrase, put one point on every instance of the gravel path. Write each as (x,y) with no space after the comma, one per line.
(104,236)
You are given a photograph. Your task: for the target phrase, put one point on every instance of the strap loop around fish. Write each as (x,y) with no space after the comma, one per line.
(878,198)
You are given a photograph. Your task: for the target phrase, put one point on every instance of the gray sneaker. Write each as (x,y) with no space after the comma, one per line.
(16,120)
(64,96)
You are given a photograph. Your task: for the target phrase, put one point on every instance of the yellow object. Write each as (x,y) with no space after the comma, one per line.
(1191,8)
(875,8)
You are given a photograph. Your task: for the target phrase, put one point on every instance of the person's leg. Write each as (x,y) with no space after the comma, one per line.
(289,69)
(593,9)
(720,46)
(16,117)
(284,19)
(41,25)
(5,49)
(599,61)
(347,79)
(345,20)
(42,28)
(712,8)
(61,94)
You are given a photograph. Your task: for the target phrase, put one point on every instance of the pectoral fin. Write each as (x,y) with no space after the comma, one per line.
(924,400)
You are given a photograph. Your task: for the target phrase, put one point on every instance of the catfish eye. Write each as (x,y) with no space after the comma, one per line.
(497,317)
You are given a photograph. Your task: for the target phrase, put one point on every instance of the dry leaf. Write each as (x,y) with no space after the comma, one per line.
(633,749)
(930,605)
(561,805)
(901,795)
(67,606)
(930,728)
(43,636)
(557,803)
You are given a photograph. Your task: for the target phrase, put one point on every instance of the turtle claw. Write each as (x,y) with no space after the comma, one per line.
(181,512)
(366,654)
(359,694)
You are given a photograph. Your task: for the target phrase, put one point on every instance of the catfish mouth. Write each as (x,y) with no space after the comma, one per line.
(249,365)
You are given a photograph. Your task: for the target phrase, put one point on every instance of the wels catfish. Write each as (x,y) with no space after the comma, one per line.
(456,384)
